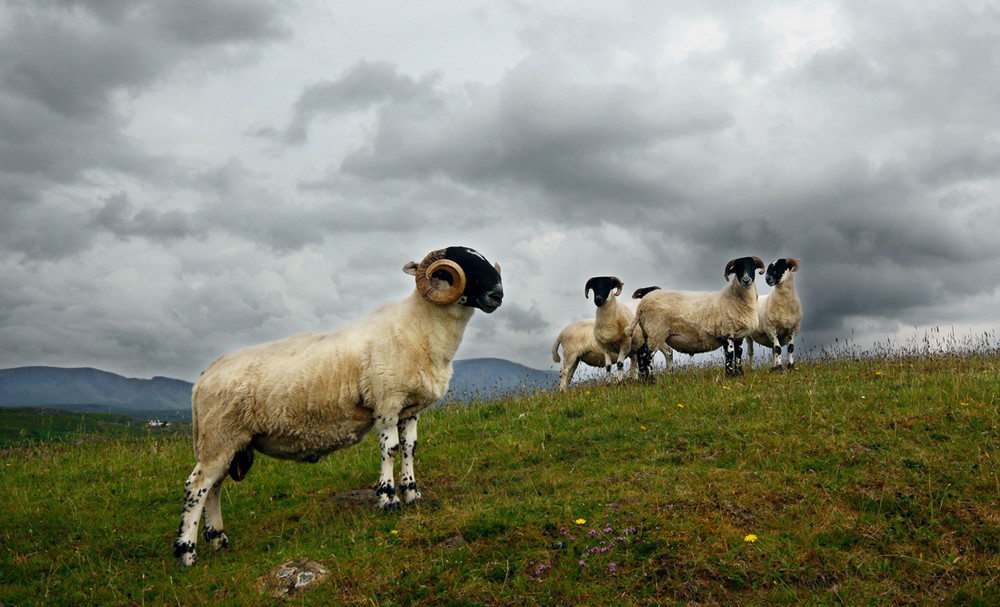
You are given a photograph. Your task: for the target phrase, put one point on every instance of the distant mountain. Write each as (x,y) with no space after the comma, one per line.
(491,378)
(59,388)
(85,389)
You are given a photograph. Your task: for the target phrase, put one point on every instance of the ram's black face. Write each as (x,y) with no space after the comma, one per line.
(745,269)
(777,271)
(483,287)
(602,287)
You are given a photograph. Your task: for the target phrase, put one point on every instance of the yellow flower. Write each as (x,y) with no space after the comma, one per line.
(750,538)
(394,532)
(580,521)
(878,373)
(963,404)
(726,388)
(680,405)
(643,427)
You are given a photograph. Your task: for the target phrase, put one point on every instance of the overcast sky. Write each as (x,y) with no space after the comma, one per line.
(179,179)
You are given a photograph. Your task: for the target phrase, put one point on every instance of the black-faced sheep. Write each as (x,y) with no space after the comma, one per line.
(700,321)
(779,314)
(611,320)
(304,397)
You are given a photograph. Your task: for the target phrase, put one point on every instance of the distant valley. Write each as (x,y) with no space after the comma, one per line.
(93,390)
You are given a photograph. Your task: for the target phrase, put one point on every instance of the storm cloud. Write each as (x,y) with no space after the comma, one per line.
(182,178)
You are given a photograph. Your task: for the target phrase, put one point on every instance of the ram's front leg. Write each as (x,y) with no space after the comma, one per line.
(408,444)
(733,354)
(620,363)
(388,440)
(607,367)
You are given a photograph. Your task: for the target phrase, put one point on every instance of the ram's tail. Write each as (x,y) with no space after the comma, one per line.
(555,349)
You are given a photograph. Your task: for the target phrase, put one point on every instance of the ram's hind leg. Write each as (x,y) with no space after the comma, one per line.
(196,489)
(407,428)
(214,535)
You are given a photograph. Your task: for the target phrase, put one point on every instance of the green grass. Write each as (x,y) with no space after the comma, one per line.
(865,482)
(25,425)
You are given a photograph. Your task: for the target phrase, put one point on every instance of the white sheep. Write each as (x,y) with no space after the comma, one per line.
(303,397)
(779,313)
(699,321)
(578,345)
(611,321)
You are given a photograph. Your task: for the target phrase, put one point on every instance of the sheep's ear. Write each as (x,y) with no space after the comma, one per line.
(411,268)
(496,267)
(618,285)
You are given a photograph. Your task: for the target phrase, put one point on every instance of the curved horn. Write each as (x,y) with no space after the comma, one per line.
(432,263)
(618,289)
(760,264)
(793,264)
(586,289)
(729,269)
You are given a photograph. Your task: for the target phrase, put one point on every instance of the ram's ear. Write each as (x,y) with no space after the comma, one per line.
(411,268)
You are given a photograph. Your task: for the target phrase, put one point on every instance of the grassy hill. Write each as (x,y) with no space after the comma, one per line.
(855,482)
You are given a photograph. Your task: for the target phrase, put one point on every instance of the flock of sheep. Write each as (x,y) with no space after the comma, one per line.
(304,397)
(686,321)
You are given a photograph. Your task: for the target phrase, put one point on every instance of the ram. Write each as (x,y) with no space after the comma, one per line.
(314,393)
(701,321)
(779,313)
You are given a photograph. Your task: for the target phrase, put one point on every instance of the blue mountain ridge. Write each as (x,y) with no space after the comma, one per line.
(87,389)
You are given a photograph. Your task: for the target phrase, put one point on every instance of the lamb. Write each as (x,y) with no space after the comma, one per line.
(306,396)
(578,345)
(701,321)
(779,314)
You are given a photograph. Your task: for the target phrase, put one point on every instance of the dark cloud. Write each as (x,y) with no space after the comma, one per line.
(363,86)
(650,142)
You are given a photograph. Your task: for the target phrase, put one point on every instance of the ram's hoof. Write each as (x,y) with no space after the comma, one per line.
(393,506)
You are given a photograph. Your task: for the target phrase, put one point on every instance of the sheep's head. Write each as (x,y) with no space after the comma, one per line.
(744,268)
(458,274)
(780,270)
(602,286)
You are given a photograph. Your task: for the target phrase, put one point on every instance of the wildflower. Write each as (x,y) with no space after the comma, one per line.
(878,373)
(612,568)
(581,563)
(643,427)
(580,521)
(394,532)
(963,404)
(750,538)
(726,388)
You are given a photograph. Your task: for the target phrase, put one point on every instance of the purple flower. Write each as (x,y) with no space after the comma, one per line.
(581,563)
(612,568)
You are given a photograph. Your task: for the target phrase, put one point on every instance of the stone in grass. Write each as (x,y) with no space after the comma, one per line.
(359,496)
(291,578)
